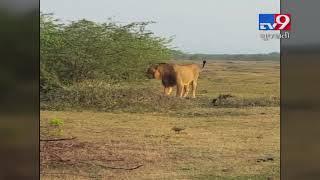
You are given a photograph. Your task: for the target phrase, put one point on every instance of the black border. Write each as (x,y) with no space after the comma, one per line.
(299,89)
(19,106)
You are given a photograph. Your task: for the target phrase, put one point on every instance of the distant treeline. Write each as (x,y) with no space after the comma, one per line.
(275,56)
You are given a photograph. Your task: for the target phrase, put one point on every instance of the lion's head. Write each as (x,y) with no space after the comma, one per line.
(153,72)
(164,72)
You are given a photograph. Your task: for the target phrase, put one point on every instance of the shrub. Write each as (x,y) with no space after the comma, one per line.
(56,122)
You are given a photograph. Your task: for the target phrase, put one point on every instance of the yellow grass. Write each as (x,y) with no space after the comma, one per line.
(225,143)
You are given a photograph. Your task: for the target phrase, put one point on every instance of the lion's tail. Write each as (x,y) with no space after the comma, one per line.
(203,63)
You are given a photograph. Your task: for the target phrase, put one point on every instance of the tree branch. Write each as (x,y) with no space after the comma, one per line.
(111,167)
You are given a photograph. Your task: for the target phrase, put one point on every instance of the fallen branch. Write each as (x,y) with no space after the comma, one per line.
(111,167)
(58,139)
(135,167)
(100,131)
(120,159)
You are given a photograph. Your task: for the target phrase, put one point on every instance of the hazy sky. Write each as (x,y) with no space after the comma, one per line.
(199,26)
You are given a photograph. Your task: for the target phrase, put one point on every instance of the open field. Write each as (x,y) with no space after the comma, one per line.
(238,138)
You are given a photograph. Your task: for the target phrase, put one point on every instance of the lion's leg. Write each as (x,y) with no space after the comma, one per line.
(194,87)
(170,90)
(179,90)
(186,90)
(167,90)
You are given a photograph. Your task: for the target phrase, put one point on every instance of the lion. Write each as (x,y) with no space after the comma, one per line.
(180,75)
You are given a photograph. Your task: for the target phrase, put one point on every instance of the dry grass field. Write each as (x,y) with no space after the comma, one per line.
(236,139)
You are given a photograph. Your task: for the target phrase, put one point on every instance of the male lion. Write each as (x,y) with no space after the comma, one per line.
(180,75)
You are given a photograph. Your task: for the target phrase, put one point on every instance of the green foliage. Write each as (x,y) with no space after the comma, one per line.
(56,122)
(56,127)
(85,50)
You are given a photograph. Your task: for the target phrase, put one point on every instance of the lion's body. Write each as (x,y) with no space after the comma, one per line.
(180,75)
(186,74)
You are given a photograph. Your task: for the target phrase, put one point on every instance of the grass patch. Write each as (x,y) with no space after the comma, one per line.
(205,146)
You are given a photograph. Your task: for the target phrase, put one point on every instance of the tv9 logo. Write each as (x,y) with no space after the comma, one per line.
(269,22)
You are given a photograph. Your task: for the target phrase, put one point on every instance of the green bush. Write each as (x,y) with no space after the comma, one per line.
(82,62)
(56,122)
(85,50)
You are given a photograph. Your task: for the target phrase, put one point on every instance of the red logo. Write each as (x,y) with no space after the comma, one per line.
(282,22)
